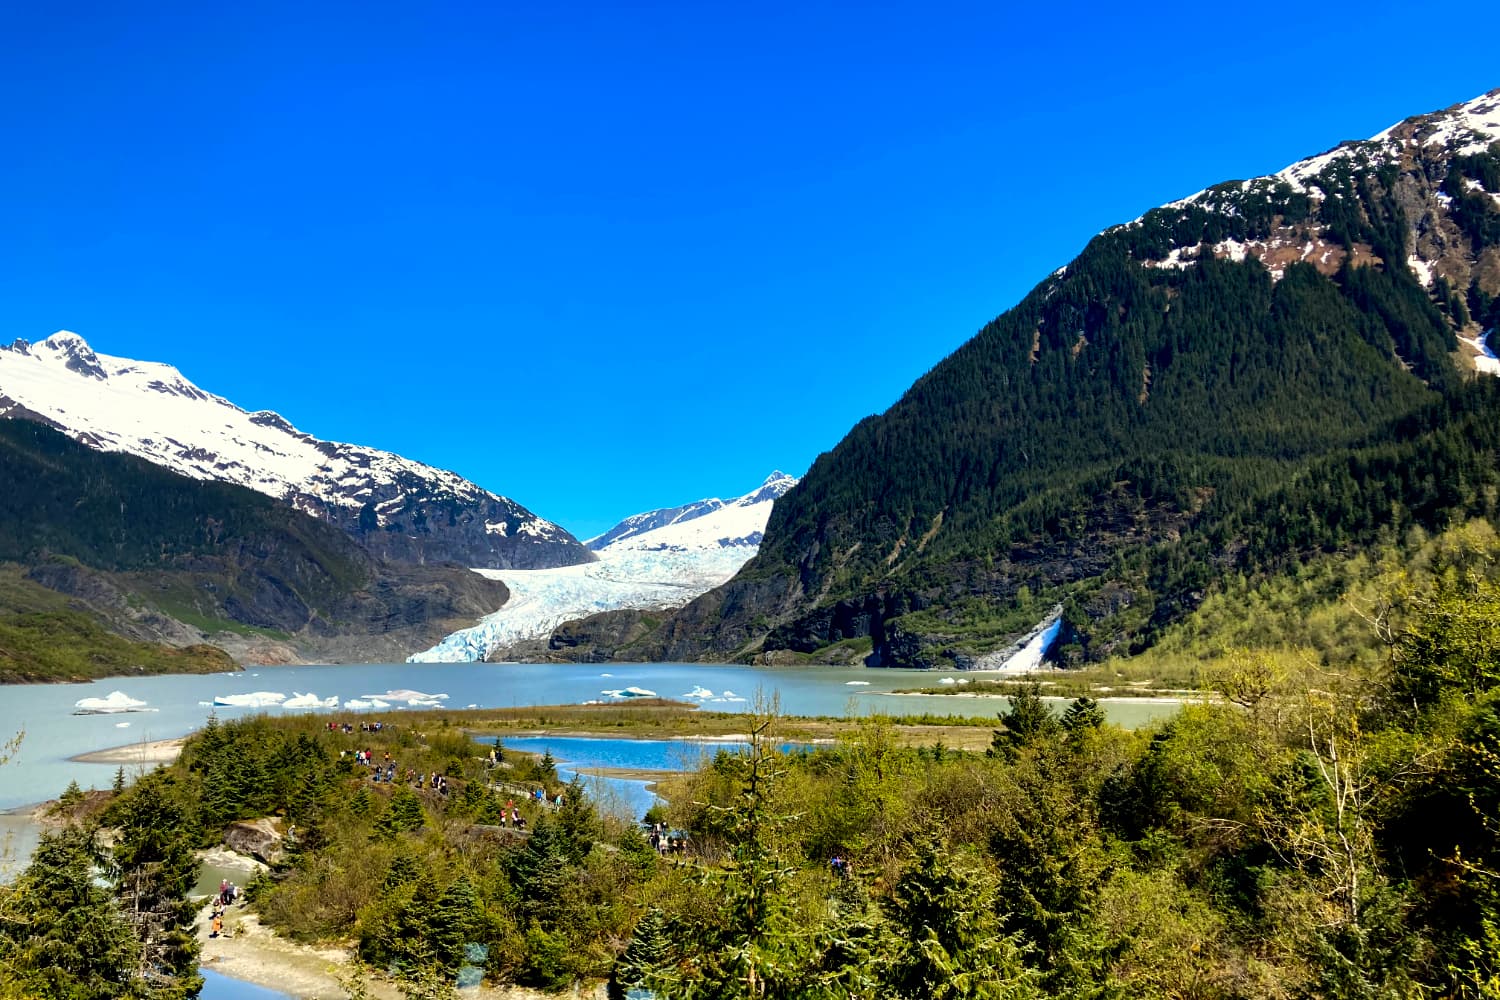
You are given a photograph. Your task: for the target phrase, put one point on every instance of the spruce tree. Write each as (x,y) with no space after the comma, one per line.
(154,869)
(947,937)
(649,953)
(61,934)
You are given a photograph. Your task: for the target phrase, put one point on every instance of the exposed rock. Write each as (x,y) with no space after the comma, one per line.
(259,838)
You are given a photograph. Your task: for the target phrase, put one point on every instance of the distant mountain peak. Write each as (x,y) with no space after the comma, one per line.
(637,525)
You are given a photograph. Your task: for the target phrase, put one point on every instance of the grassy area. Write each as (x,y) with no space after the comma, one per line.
(69,646)
(662,719)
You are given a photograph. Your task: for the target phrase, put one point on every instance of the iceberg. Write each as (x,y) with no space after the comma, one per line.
(629,692)
(698,693)
(122,725)
(255,699)
(114,702)
(857,684)
(407,695)
(357,703)
(309,700)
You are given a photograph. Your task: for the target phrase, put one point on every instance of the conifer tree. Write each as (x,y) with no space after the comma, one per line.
(402,815)
(61,934)
(154,869)
(948,940)
(648,954)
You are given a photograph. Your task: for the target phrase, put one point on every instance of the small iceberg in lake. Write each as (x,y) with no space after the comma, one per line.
(111,704)
(948,680)
(255,699)
(629,692)
(309,700)
(698,693)
(410,697)
(357,703)
(122,725)
(862,684)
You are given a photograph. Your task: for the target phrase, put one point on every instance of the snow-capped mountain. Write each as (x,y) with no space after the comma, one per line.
(1295,214)
(688,551)
(397,508)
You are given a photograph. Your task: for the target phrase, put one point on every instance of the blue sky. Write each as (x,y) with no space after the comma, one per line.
(603,258)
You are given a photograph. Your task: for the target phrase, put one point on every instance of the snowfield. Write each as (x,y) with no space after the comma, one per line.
(656,569)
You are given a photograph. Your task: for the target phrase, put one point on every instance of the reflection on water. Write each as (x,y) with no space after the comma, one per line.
(217,987)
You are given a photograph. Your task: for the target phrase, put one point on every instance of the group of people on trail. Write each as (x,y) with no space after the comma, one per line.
(228,893)
(665,841)
(516,819)
(385,770)
(348,728)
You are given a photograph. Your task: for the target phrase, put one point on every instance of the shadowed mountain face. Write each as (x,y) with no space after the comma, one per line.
(157,556)
(1128,431)
(397,509)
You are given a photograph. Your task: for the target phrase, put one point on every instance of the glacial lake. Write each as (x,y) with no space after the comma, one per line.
(179,704)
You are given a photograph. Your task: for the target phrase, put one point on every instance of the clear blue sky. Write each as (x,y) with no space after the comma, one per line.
(603,258)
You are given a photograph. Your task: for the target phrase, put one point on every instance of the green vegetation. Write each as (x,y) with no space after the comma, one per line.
(68,646)
(1325,827)
(99,542)
(85,921)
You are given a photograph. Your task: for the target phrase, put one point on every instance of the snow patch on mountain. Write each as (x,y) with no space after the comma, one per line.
(150,410)
(655,568)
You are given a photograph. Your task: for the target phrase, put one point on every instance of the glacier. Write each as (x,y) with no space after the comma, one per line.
(659,567)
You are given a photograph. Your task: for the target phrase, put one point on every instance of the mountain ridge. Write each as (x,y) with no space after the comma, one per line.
(396,508)
(1182,368)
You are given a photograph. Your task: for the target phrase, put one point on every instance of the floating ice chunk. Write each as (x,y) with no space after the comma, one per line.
(122,725)
(471,705)
(357,703)
(377,703)
(629,692)
(606,675)
(948,680)
(863,684)
(309,700)
(698,693)
(115,701)
(255,699)
(409,696)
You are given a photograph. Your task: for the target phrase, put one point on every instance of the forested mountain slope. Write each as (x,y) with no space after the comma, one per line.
(157,556)
(1114,441)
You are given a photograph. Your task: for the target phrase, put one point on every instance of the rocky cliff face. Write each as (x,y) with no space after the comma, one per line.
(397,509)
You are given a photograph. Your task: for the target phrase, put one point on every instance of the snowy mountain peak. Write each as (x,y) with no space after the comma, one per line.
(632,531)
(777,484)
(1438,169)
(399,509)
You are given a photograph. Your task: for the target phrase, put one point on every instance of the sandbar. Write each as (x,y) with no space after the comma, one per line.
(153,752)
